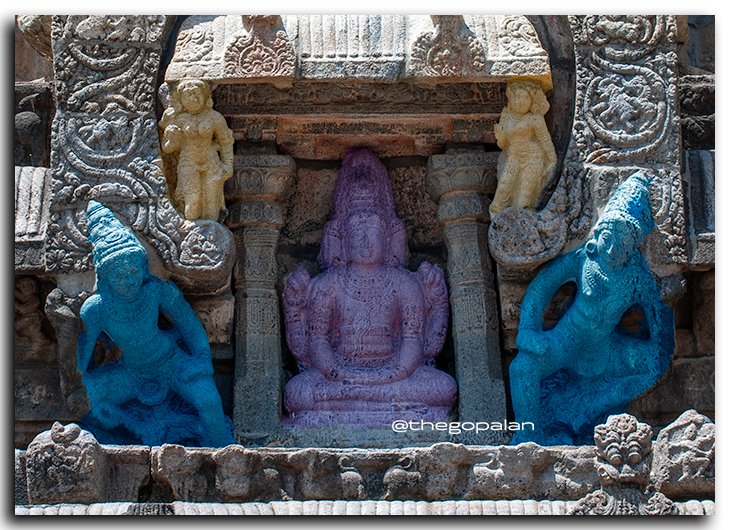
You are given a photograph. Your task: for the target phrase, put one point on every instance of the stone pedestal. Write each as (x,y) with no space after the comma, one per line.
(258,182)
(458,181)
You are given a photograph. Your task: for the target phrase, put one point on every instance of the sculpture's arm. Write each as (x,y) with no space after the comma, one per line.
(296,295)
(224,139)
(171,133)
(91,328)
(499,135)
(543,137)
(174,306)
(321,354)
(659,317)
(436,303)
(540,292)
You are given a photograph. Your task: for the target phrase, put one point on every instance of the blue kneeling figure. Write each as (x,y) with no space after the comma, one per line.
(161,388)
(612,343)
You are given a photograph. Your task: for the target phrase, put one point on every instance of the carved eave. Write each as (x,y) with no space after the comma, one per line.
(32,185)
(383,48)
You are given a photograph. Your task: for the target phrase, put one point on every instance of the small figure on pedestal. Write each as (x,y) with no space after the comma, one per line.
(528,157)
(203,144)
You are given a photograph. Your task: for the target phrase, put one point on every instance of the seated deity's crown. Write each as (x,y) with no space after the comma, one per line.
(630,204)
(108,235)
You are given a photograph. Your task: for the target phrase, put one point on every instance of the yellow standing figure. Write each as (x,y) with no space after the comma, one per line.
(528,156)
(203,144)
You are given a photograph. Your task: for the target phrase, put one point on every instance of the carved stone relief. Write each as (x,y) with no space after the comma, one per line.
(105,146)
(362,47)
(625,119)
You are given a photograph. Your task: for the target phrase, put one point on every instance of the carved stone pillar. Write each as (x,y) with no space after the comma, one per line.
(458,181)
(255,217)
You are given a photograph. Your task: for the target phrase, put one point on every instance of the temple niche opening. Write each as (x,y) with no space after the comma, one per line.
(365,215)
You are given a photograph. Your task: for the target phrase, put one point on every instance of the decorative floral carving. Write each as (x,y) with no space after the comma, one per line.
(264,51)
(451,50)
(518,37)
(623,462)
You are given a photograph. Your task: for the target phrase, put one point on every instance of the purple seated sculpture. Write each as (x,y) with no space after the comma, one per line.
(365,331)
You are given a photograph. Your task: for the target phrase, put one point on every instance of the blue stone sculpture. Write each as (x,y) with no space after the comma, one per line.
(611,344)
(158,387)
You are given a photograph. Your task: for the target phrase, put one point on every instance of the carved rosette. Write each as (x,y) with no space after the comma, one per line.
(450,50)
(264,51)
(105,146)
(625,119)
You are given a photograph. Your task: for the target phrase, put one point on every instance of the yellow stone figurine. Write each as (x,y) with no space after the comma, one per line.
(528,157)
(203,144)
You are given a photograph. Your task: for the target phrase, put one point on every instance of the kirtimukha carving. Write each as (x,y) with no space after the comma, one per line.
(159,387)
(611,344)
(623,464)
(528,156)
(366,330)
(203,145)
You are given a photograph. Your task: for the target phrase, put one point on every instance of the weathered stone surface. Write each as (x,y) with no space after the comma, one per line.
(700,179)
(363,47)
(703,312)
(33,342)
(684,457)
(415,207)
(699,45)
(63,313)
(33,113)
(697,107)
(32,189)
(33,55)
(66,464)
(688,383)
(188,472)
(128,470)
(20,482)
(216,315)
(38,394)
(105,146)
(309,206)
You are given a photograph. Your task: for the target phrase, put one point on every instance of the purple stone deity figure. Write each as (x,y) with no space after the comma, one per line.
(365,331)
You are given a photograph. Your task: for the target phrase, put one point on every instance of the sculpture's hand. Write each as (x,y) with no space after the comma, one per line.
(297,288)
(433,283)
(171,138)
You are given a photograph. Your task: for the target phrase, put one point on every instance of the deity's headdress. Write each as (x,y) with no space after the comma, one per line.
(109,237)
(362,186)
(630,205)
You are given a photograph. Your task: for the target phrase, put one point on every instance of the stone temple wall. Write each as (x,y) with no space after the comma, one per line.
(299,121)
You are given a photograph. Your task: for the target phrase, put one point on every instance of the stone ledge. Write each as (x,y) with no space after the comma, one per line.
(515,507)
